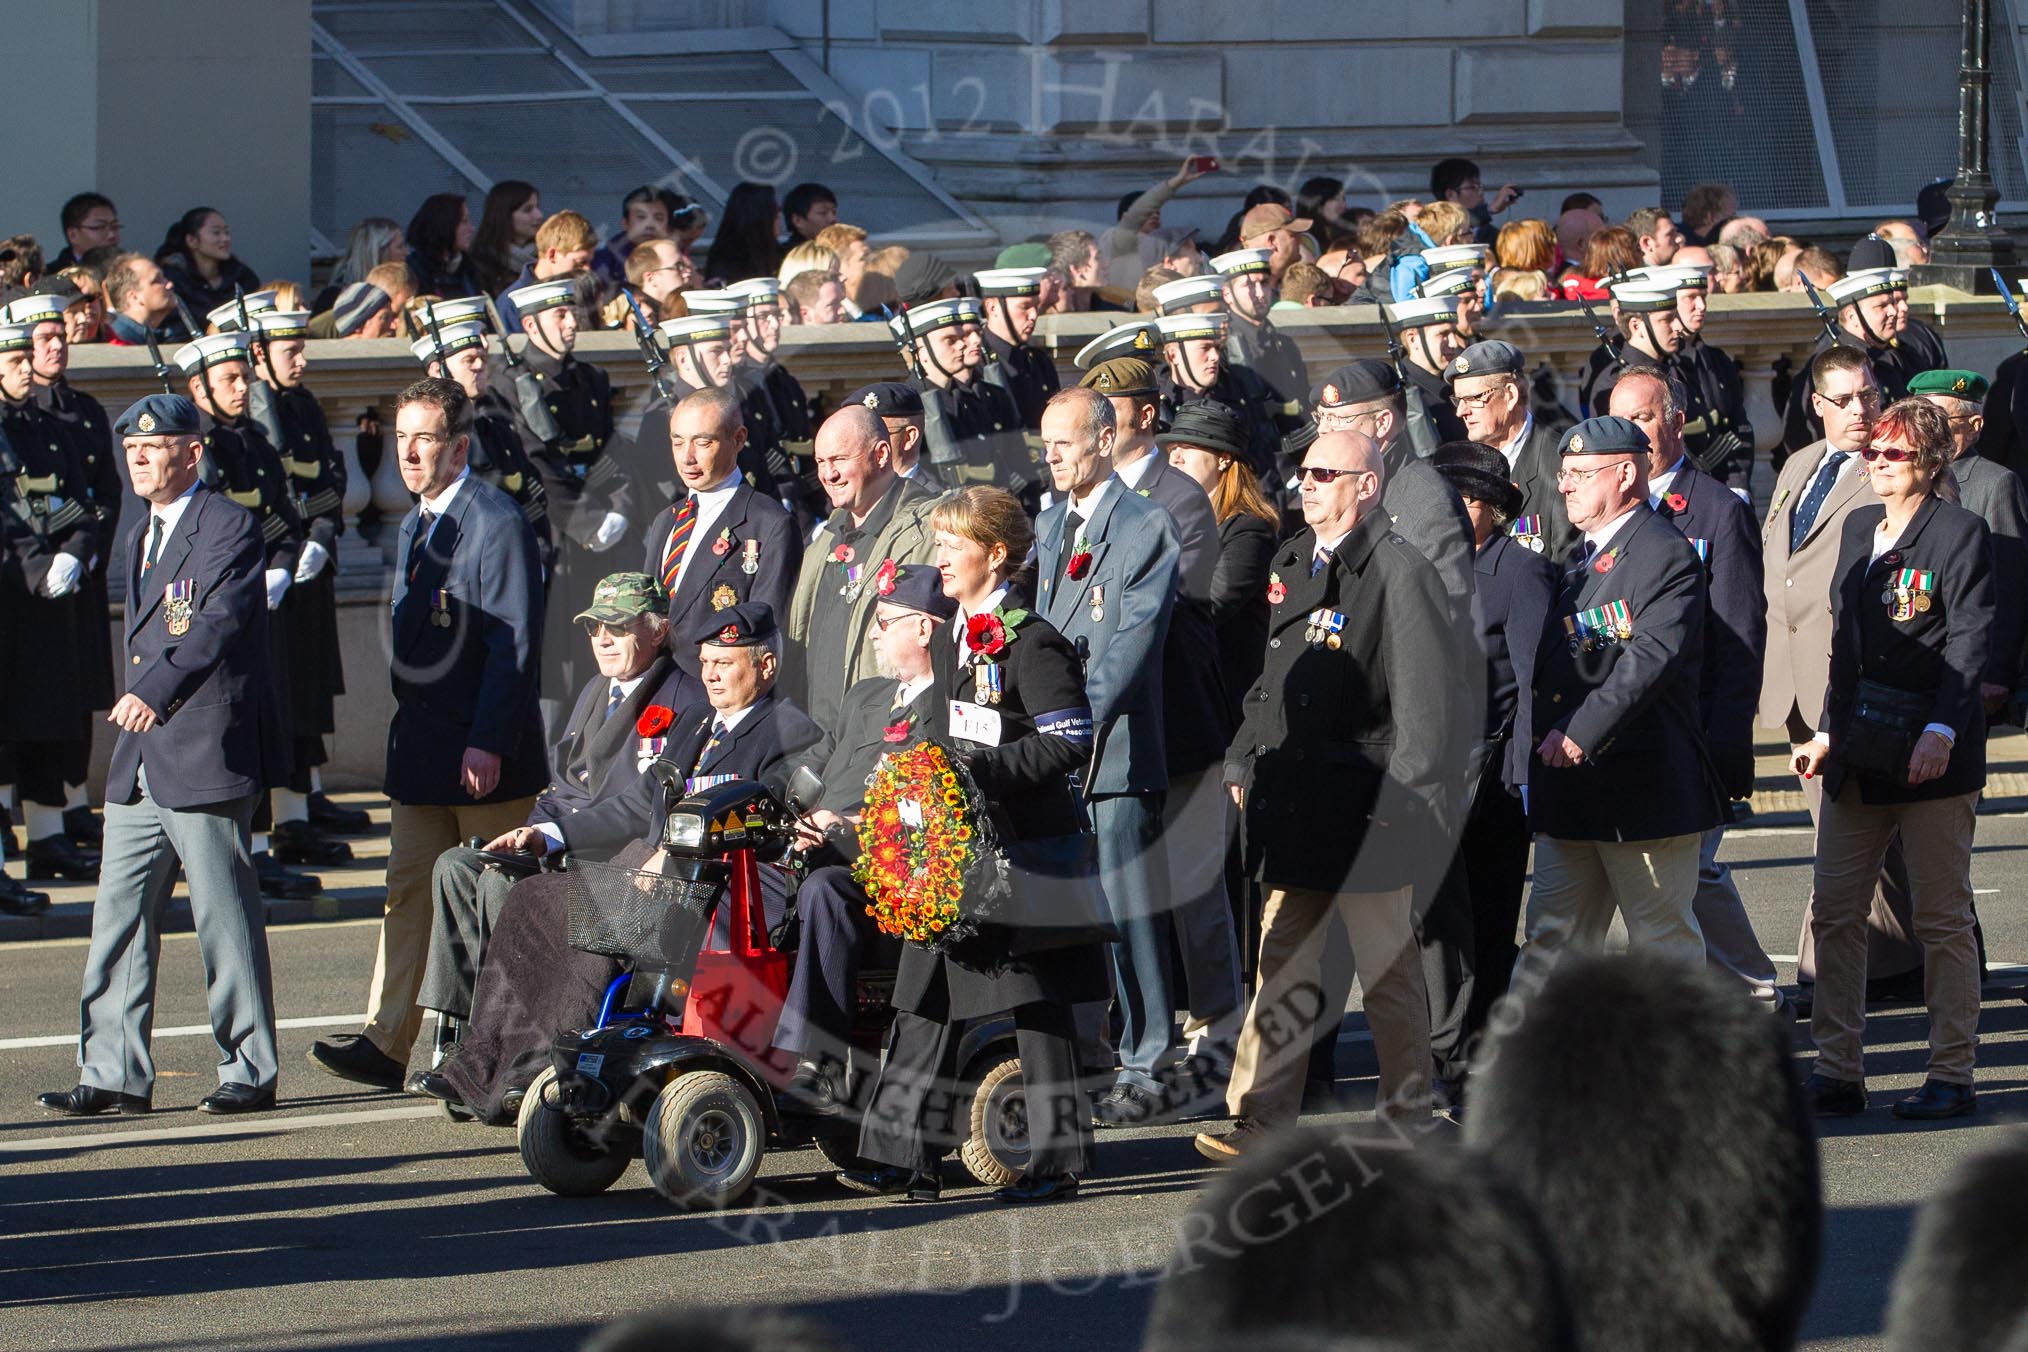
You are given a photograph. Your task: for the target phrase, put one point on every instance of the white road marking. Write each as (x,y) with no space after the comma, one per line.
(8,1044)
(274,932)
(220,1130)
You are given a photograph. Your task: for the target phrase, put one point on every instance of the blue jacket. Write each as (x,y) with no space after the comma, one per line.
(1117,617)
(1721,528)
(465,642)
(197,654)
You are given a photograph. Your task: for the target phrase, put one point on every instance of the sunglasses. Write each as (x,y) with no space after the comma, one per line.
(1894,453)
(1327,476)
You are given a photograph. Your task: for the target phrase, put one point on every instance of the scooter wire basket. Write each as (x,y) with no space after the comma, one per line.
(645,918)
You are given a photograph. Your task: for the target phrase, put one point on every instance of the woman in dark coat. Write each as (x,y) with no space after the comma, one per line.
(196,256)
(1247,527)
(1903,751)
(1021,741)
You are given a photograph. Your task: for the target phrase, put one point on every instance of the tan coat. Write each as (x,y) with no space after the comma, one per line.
(906,539)
(1798,664)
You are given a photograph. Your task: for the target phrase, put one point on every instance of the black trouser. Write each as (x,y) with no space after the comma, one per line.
(42,769)
(837,938)
(1493,856)
(920,1110)
(1445,931)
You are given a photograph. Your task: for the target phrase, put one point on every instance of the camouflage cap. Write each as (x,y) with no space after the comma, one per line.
(621,598)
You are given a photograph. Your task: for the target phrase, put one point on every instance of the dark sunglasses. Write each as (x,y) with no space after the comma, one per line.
(1894,453)
(1327,476)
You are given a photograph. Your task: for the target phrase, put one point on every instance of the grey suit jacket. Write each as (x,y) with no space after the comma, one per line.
(1798,665)
(1117,617)
(1428,513)
(1995,494)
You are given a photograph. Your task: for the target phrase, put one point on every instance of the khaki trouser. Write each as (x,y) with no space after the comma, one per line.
(416,836)
(1274,1042)
(1579,883)
(1936,840)
(1891,949)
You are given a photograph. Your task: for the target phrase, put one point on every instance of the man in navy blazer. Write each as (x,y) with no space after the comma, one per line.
(465,754)
(1721,528)
(1106,578)
(200,742)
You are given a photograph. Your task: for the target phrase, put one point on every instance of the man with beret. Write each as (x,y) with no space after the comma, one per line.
(1872,315)
(242,464)
(1255,343)
(887,711)
(878,520)
(576,454)
(1428,333)
(51,672)
(1196,367)
(1197,720)
(1995,493)
(1621,792)
(900,410)
(196,752)
(1489,385)
(465,755)
(533,985)
(971,427)
(720,541)
(604,748)
(1011,301)
(456,350)
(1513,587)
(1720,528)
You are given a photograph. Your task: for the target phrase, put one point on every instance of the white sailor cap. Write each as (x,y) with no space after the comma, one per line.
(1455,282)
(225,318)
(1857,286)
(1183,328)
(33,310)
(917,320)
(539,296)
(696,328)
(759,292)
(282,323)
(1184,292)
(456,338)
(1010,281)
(1423,311)
(16,337)
(1642,295)
(1456,256)
(1135,338)
(463,310)
(1674,277)
(726,302)
(1241,261)
(214,349)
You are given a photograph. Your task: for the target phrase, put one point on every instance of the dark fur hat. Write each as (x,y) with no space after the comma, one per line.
(1963,1285)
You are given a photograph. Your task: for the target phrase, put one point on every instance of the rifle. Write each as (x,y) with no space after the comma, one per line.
(189,320)
(1831,329)
(1396,353)
(155,355)
(527,390)
(651,351)
(2013,306)
(1611,340)
(260,396)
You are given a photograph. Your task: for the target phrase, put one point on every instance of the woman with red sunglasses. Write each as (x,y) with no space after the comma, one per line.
(1902,750)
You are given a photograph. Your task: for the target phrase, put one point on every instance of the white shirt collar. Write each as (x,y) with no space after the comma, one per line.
(1512,450)
(1851,459)
(910,689)
(735,718)
(172,512)
(441,503)
(1137,473)
(626,687)
(1598,535)
(718,494)
(1330,544)
(1659,484)
(991,603)
(1090,504)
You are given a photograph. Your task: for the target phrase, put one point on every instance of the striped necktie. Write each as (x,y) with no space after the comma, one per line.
(679,543)
(717,735)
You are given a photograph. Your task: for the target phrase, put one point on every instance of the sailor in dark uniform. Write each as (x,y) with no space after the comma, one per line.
(587,488)
(1650,338)
(795,413)
(1252,341)
(1009,298)
(1428,333)
(1872,307)
(972,427)
(240,462)
(765,451)
(1196,367)
(700,358)
(1720,440)
(498,456)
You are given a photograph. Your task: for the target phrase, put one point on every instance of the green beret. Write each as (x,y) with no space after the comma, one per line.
(1023,256)
(1957,384)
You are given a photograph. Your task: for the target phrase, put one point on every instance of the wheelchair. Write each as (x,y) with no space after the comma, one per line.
(679,1069)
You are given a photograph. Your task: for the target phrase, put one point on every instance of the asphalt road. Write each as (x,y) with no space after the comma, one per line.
(353,1219)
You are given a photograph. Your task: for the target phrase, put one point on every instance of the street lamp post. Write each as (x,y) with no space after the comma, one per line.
(1973,242)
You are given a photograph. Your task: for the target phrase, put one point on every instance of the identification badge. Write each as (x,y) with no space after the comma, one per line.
(177,607)
(973,723)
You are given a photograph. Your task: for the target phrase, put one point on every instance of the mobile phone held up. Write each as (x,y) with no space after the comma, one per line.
(1204,164)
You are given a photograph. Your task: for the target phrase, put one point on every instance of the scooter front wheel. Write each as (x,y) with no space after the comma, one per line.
(704,1140)
(561,1155)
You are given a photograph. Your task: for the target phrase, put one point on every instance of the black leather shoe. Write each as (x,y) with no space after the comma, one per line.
(284,884)
(352,1056)
(811,1092)
(510,1102)
(87,1101)
(338,819)
(239,1098)
(16,899)
(55,857)
(84,828)
(1936,1100)
(430,1084)
(302,843)
(880,1182)
(1124,1105)
(1061,1188)
(1830,1097)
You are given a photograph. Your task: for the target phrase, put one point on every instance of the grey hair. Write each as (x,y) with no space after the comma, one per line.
(1098,411)
(1674,397)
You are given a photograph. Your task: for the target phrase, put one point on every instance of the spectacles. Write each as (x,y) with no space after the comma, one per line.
(1479,400)
(1579,476)
(1894,453)
(1871,399)
(1327,476)
(881,622)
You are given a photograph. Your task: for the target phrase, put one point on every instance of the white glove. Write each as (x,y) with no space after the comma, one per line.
(609,532)
(64,572)
(311,561)
(278,586)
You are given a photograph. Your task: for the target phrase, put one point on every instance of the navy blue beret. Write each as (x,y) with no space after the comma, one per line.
(158,415)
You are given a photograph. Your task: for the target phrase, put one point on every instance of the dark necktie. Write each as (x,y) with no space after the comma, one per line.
(1813,498)
(154,544)
(710,745)
(613,702)
(1073,528)
(1320,560)
(420,540)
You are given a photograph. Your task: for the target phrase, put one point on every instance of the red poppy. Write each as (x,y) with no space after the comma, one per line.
(1277,593)
(722,546)
(1079,565)
(1677,502)
(986,634)
(883,581)
(1892,558)
(1604,564)
(843,553)
(654,720)
(896,732)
